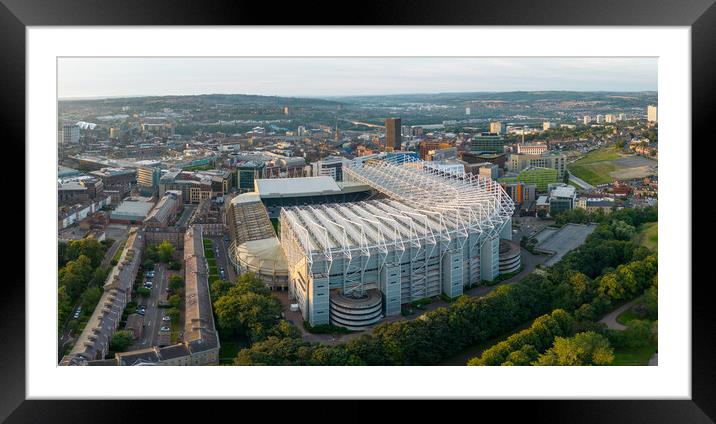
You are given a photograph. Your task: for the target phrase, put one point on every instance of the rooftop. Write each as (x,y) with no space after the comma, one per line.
(274,187)
(199,330)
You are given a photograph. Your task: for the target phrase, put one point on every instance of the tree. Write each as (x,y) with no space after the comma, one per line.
(219,288)
(541,213)
(638,333)
(121,341)
(176,282)
(588,348)
(88,247)
(166,251)
(99,276)
(651,302)
(64,305)
(173,313)
(90,297)
(144,292)
(75,275)
(175,300)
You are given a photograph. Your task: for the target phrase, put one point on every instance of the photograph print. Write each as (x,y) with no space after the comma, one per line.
(479,211)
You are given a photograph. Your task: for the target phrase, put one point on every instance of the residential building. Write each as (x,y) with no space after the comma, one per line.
(531,148)
(651,113)
(94,341)
(148,180)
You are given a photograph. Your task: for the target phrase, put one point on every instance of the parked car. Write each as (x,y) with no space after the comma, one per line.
(77,312)
(165,328)
(166,318)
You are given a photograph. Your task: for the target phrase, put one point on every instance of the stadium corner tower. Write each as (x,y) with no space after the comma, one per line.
(431,232)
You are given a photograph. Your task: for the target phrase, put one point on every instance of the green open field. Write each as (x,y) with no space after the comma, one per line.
(648,235)
(634,356)
(595,167)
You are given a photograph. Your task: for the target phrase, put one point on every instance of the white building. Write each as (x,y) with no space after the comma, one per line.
(651,113)
(351,264)
(587,119)
(70,134)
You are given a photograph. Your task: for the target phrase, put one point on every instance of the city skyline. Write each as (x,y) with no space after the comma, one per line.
(81,78)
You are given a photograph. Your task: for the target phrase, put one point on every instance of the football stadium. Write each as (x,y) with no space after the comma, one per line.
(422,233)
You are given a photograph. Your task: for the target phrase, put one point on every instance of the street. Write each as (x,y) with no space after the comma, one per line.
(153,316)
(222,259)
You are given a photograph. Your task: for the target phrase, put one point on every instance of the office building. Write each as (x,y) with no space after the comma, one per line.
(487,143)
(562,197)
(331,166)
(393,139)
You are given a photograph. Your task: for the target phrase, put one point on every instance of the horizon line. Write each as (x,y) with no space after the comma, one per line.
(131,96)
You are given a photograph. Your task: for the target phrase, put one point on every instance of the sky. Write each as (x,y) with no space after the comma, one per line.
(326,77)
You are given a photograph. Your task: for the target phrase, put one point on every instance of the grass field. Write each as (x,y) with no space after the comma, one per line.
(648,235)
(596,166)
(633,356)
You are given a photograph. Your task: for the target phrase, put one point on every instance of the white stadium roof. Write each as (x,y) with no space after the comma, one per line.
(425,205)
(277,187)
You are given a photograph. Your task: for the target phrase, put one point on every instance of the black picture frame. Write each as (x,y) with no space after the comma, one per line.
(16,15)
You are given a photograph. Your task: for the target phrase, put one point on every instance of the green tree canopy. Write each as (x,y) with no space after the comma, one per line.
(165,251)
(588,348)
(121,341)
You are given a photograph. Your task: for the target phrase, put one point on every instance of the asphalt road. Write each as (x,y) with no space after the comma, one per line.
(153,316)
(106,261)
(610,319)
(222,260)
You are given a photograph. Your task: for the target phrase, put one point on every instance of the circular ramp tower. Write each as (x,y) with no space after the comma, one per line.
(510,256)
(354,311)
